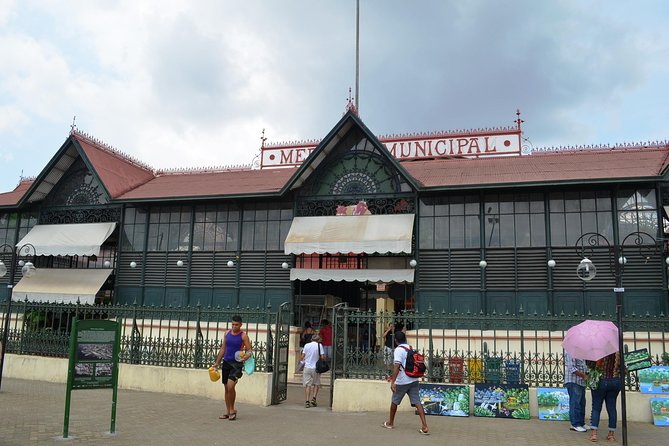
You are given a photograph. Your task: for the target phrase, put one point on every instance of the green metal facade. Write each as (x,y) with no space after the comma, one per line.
(181,249)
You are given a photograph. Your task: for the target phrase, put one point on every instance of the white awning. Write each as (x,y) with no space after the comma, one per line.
(82,239)
(61,285)
(353,275)
(350,234)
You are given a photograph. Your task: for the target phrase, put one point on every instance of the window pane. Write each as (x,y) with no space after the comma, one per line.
(247,236)
(522,230)
(232,233)
(537,230)
(646,199)
(572,202)
(589,222)
(285,227)
(626,200)
(425,207)
(556,202)
(472,231)
(574,230)
(441,206)
(260,237)
(536,203)
(457,233)
(287,214)
(441,227)
(522,203)
(506,231)
(457,205)
(558,230)
(588,201)
(506,204)
(605,224)
(426,233)
(129,215)
(273,234)
(219,233)
(603,200)
(648,222)
(492,230)
(472,205)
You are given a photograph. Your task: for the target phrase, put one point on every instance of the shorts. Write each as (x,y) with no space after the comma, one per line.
(231,370)
(407,389)
(311,378)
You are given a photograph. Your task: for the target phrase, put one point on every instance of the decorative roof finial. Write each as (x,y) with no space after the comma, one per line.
(263,138)
(350,104)
(73,127)
(518,120)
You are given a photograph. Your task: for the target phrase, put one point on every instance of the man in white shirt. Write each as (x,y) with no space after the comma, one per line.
(310,379)
(401,385)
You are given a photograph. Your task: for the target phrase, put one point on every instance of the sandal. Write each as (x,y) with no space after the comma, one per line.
(233,416)
(423,432)
(386,425)
(224,417)
(593,436)
(611,436)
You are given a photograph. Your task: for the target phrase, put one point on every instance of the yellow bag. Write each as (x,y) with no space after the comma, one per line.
(214,374)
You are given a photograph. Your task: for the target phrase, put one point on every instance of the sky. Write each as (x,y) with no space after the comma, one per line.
(193,83)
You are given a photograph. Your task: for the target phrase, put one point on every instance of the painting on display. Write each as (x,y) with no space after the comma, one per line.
(502,401)
(553,403)
(654,380)
(445,400)
(660,409)
(637,360)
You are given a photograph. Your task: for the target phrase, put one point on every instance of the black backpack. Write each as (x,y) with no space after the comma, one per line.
(415,364)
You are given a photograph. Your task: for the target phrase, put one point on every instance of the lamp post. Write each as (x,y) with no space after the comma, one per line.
(586,271)
(27,270)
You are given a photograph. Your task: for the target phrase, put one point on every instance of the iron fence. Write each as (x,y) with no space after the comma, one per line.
(187,337)
(459,348)
(472,348)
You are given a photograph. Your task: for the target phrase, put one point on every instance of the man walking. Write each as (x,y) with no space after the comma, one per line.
(310,379)
(235,349)
(575,374)
(401,384)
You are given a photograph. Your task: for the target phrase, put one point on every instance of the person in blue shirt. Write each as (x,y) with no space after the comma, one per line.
(575,374)
(235,349)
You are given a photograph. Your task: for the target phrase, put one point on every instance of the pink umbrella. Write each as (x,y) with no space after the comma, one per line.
(591,340)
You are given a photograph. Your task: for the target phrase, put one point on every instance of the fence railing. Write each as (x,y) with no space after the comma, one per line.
(472,348)
(187,337)
(460,348)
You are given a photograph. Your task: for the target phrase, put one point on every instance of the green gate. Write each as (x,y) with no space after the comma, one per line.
(281,349)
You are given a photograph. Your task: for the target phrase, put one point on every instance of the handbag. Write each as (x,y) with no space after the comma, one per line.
(322,366)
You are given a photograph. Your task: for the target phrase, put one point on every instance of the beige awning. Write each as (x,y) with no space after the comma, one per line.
(350,234)
(353,275)
(61,285)
(82,239)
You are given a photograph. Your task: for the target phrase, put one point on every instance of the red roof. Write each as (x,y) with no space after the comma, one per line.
(208,184)
(117,172)
(13,197)
(561,166)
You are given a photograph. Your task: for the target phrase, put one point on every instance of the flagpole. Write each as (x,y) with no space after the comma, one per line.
(357,55)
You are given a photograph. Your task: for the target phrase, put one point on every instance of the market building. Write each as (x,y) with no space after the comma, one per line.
(466,221)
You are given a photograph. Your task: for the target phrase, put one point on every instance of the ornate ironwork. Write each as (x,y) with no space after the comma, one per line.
(80,215)
(79,187)
(377,206)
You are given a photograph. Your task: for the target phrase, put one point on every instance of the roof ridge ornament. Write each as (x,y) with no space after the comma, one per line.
(650,145)
(350,104)
(74,131)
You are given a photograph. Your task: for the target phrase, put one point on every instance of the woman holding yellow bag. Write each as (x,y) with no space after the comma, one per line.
(234,341)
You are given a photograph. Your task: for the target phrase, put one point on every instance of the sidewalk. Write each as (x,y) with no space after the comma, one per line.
(31,413)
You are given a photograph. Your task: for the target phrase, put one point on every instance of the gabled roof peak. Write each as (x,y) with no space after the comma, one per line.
(109,149)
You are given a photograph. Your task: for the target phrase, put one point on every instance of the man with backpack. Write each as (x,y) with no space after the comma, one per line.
(401,383)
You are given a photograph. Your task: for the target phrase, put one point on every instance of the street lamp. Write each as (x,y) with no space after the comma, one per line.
(586,271)
(27,270)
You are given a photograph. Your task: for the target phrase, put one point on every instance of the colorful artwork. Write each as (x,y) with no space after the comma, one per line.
(502,401)
(660,409)
(654,380)
(553,403)
(637,360)
(445,400)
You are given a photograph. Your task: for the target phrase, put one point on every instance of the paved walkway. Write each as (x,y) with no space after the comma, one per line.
(31,413)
